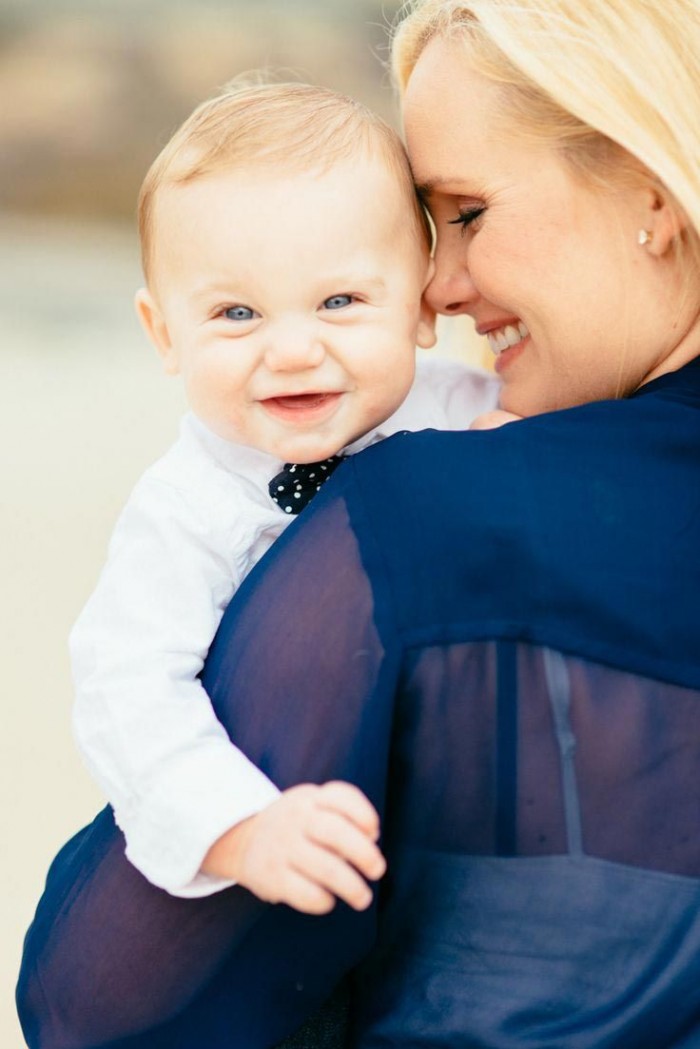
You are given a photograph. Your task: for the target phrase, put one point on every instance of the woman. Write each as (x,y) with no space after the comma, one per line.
(494,635)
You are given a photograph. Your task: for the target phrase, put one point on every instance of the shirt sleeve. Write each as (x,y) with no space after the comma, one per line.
(447,394)
(142,719)
(462,391)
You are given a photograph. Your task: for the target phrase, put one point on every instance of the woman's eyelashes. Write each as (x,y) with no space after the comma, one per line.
(467,217)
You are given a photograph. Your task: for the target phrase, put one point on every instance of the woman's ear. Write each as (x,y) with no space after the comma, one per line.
(664,222)
(153,323)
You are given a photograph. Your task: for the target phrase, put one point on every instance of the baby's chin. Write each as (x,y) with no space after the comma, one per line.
(307,451)
(314,447)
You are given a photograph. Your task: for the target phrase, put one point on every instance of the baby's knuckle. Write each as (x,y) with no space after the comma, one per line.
(322,903)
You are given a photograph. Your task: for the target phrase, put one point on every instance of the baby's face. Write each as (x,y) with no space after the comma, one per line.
(290,304)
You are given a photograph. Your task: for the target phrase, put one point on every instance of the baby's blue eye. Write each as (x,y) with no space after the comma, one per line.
(239,313)
(337,302)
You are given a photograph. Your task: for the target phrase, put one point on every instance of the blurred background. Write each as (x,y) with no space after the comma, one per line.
(90,92)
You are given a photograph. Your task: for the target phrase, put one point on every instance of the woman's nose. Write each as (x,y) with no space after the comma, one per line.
(293,348)
(451,289)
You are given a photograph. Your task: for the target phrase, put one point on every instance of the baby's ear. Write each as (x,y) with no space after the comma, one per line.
(425,335)
(153,323)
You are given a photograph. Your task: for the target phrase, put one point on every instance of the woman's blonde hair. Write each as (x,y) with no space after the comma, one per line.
(284,127)
(615,84)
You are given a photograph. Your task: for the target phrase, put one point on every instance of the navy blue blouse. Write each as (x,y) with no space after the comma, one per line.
(496,635)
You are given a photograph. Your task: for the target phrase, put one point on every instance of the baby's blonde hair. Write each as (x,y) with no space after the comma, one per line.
(286,127)
(614,84)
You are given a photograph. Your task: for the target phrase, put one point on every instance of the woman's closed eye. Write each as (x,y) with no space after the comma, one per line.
(467,217)
(239,313)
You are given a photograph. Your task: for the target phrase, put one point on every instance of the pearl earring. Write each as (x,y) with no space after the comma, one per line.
(644,237)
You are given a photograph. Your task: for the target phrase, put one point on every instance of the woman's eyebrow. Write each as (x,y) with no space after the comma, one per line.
(426,187)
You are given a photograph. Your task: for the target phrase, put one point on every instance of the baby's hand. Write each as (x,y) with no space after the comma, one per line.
(310,846)
(491,420)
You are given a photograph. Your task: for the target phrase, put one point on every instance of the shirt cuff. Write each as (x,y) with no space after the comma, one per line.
(196,799)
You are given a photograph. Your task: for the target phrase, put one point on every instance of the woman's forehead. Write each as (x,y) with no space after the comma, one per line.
(450,112)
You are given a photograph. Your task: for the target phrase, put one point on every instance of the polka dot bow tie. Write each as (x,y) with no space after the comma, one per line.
(294,486)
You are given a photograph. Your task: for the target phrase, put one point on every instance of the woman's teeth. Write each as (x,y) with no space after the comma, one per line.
(501,338)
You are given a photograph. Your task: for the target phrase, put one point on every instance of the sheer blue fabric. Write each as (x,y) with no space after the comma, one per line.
(496,635)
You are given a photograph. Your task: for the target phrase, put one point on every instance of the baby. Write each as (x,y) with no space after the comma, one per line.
(285,255)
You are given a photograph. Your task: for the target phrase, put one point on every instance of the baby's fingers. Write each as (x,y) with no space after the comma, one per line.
(332,873)
(336,834)
(305,894)
(492,420)
(351,802)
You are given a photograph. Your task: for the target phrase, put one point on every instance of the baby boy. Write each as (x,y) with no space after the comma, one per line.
(285,256)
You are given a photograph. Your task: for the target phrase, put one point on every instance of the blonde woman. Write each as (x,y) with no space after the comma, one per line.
(494,635)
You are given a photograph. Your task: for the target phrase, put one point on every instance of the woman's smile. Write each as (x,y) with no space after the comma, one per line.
(506,342)
(509,335)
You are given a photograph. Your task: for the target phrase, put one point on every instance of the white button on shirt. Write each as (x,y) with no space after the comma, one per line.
(194,526)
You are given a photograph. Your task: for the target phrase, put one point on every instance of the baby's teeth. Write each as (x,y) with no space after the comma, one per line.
(523,330)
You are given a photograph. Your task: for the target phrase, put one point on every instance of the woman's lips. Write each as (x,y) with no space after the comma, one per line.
(301,407)
(507,342)
(507,357)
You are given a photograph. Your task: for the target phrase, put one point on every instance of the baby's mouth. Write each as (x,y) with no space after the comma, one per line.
(301,400)
(304,408)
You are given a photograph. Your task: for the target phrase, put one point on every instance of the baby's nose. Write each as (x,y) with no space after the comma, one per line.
(294,347)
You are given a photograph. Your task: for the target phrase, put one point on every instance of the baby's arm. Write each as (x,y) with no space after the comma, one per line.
(492,420)
(446,395)
(196,814)
(142,719)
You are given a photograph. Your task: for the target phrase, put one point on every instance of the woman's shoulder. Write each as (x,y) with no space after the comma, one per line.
(576,525)
(641,432)
(420,471)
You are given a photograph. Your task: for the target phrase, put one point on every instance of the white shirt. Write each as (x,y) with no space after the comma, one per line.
(194,526)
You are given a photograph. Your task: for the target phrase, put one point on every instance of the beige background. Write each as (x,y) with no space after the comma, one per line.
(84,406)
(84,411)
